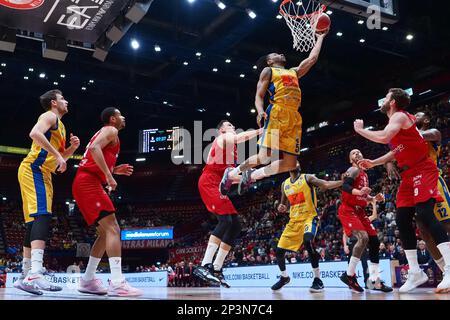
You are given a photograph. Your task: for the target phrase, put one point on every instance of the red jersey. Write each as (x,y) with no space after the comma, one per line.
(110,153)
(362,180)
(219,159)
(408,145)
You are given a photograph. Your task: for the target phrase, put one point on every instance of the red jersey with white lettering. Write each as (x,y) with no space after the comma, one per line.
(208,185)
(110,153)
(361,181)
(408,145)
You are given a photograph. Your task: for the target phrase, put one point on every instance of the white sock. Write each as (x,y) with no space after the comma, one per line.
(209,253)
(26,266)
(37,257)
(91,268)
(440,263)
(115,264)
(374,271)
(413,263)
(284,274)
(444,248)
(260,173)
(220,258)
(351,269)
(316,272)
(235,172)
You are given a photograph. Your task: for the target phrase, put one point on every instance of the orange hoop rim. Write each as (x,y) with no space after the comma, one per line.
(308,15)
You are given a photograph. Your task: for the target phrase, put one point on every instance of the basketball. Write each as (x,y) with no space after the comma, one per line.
(323,23)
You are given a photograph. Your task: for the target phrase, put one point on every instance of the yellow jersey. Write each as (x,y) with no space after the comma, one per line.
(434,149)
(302,198)
(284,89)
(40,158)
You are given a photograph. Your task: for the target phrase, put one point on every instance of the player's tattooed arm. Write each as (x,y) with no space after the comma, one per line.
(349,179)
(283,202)
(432,135)
(323,184)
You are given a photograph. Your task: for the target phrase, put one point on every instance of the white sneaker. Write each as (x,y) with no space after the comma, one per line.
(414,280)
(38,281)
(444,286)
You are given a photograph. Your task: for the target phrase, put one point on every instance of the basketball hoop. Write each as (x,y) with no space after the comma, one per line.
(301,17)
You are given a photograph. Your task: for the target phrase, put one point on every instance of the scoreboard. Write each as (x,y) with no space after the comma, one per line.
(155,140)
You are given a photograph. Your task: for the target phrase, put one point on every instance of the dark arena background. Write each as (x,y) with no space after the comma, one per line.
(175,69)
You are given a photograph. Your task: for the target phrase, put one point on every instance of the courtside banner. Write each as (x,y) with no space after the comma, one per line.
(301,274)
(70,280)
(147,234)
(79,20)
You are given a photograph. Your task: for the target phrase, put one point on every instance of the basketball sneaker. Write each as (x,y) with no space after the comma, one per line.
(219,275)
(414,280)
(226,183)
(444,286)
(352,282)
(123,290)
(94,286)
(246,181)
(18,284)
(317,286)
(281,283)
(378,285)
(39,281)
(206,273)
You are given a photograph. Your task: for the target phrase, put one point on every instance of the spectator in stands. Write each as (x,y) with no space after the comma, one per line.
(423,255)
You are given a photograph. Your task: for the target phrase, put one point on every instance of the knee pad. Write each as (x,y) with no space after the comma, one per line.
(374,248)
(27,239)
(224,224)
(404,218)
(233,231)
(40,228)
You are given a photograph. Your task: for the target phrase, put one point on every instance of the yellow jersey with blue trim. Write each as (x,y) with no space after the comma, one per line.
(302,198)
(284,88)
(41,158)
(434,150)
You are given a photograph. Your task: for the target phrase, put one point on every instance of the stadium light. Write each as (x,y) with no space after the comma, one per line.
(228,114)
(362,40)
(157,48)
(135,44)
(409,37)
(360,21)
(185,63)
(228,61)
(140,159)
(251,13)
(42,75)
(339,34)
(385,28)
(220,4)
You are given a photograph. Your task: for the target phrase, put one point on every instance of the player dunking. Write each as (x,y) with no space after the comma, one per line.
(418,192)
(283,122)
(96,169)
(352,214)
(223,155)
(303,224)
(48,154)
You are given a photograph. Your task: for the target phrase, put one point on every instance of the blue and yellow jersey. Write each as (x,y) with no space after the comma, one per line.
(40,158)
(302,198)
(284,89)
(434,150)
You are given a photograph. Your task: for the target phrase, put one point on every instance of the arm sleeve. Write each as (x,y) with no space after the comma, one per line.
(348,184)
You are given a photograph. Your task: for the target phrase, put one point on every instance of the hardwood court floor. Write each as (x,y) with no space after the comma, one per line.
(232,294)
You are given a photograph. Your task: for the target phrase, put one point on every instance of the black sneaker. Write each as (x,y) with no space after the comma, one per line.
(352,282)
(226,183)
(317,286)
(378,285)
(246,182)
(281,283)
(206,273)
(219,275)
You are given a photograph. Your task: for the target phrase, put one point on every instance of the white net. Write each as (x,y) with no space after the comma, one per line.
(301,17)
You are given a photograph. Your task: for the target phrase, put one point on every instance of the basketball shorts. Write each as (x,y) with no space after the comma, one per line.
(442,209)
(419,184)
(215,202)
(37,191)
(91,197)
(292,236)
(355,219)
(282,130)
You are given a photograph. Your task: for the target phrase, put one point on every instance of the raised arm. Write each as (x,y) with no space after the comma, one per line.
(45,123)
(307,64)
(396,123)
(432,135)
(323,184)
(367,164)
